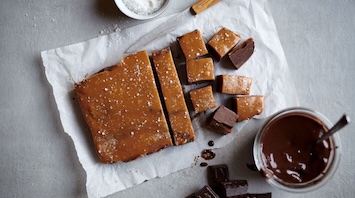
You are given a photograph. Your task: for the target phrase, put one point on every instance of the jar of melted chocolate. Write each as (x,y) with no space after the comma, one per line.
(286,152)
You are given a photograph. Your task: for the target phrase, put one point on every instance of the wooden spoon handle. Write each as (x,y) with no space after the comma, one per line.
(202,5)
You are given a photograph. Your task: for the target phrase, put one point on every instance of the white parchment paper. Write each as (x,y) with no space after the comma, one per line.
(268,67)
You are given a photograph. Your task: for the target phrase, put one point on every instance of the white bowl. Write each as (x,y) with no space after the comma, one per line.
(134,15)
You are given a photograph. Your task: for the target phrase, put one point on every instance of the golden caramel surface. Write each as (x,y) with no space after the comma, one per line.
(249,106)
(223,41)
(202,99)
(192,45)
(173,97)
(231,84)
(199,70)
(123,110)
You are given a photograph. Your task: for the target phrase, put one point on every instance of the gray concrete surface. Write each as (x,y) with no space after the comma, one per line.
(39,160)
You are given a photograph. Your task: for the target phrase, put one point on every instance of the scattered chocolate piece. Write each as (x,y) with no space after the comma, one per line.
(207,154)
(252,167)
(217,174)
(205,192)
(249,106)
(232,84)
(242,53)
(203,164)
(222,42)
(210,143)
(222,120)
(253,195)
(234,188)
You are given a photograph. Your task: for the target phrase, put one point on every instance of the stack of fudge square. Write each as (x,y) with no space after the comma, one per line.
(200,68)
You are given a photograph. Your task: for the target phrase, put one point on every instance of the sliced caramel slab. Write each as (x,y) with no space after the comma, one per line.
(202,99)
(178,114)
(231,84)
(123,110)
(192,45)
(242,53)
(199,70)
(249,106)
(222,42)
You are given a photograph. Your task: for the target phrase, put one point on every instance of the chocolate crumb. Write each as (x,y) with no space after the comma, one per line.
(207,154)
(211,143)
(203,164)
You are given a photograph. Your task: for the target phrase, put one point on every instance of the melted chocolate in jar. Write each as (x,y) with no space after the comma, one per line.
(290,151)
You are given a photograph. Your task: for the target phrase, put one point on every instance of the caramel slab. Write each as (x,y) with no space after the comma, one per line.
(178,114)
(123,110)
(222,42)
(199,70)
(242,53)
(192,45)
(231,84)
(249,106)
(202,99)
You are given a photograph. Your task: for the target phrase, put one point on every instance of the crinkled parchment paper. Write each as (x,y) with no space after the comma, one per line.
(268,67)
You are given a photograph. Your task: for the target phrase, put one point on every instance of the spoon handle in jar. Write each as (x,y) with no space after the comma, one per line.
(344,120)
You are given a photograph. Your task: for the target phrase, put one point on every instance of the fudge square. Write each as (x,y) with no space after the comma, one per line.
(123,110)
(222,120)
(202,99)
(199,70)
(178,113)
(192,45)
(222,42)
(232,84)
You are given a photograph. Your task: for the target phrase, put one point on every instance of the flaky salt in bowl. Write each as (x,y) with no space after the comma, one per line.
(142,9)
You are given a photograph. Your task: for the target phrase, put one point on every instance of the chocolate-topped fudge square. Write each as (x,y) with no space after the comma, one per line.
(222,120)
(222,42)
(248,106)
(232,84)
(240,54)
(192,45)
(202,99)
(199,70)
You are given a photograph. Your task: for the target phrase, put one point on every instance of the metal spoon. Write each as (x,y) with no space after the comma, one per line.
(344,120)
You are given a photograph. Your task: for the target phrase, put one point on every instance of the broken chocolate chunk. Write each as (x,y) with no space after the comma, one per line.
(217,174)
(253,195)
(205,192)
(234,188)
(222,120)
(242,53)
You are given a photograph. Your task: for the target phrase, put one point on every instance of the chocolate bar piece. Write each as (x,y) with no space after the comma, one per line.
(242,53)
(202,99)
(233,188)
(178,114)
(253,195)
(222,120)
(249,106)
(232,84)
(199,70)
(206,192)
(222,42)
(217,174)
(123,110)
(192,45)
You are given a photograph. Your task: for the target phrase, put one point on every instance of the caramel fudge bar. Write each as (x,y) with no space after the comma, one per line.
(222,42)
(249,106)
(202,99)
(222,120)
(231,84)
(199,70)
(123,110)
(192,45)
(242,53)
(173,97)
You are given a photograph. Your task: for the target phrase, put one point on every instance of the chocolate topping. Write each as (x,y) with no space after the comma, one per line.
(289,148)
(207,154)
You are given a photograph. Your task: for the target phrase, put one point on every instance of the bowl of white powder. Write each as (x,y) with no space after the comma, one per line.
(142,9)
